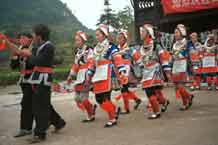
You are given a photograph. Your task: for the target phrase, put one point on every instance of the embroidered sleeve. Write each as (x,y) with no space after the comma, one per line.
(74,70)
(114,49)
(118,63)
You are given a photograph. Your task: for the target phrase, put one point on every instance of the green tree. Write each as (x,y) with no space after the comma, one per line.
(122,19)
(125,18)
(109,17)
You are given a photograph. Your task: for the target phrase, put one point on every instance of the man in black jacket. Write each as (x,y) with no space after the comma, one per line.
(26,115)
(41,58)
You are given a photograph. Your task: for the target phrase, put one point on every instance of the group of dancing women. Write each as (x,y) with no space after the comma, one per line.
(110,66)
(117,66)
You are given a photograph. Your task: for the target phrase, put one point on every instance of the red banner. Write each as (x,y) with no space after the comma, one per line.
(185,6)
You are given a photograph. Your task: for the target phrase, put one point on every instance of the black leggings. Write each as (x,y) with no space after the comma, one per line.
(101,97)
(125,88)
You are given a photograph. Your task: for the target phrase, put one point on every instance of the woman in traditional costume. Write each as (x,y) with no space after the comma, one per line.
(152,80)
(83,58)
(180,67)
(106,60)
(130,57)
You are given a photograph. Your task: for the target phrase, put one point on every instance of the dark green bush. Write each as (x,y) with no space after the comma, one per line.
(9,77)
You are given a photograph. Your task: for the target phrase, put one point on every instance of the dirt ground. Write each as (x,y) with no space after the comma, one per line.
(197,126)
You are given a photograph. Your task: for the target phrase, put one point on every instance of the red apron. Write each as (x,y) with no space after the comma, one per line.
(209,64)
(195,60)
(81,76)
(102,77)
(179,71)
(151,75)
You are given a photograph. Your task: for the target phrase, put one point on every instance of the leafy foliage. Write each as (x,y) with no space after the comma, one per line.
(122,19)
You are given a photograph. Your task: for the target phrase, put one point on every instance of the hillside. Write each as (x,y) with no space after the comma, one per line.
(20,15)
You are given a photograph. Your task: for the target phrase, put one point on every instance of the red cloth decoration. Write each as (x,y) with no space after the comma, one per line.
(185,6)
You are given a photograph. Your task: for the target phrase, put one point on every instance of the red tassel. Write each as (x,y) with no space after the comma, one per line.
(209,80)
(154,103)
(215,80)
(178,95)
(132,95)
(109,107)
(81,106)
(196,81)
(88,107)
(160,96)
(185,95)
(117,98)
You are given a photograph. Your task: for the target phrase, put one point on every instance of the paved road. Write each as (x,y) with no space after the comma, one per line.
(198,126)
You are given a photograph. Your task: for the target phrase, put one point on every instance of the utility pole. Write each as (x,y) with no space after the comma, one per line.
(107,10)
